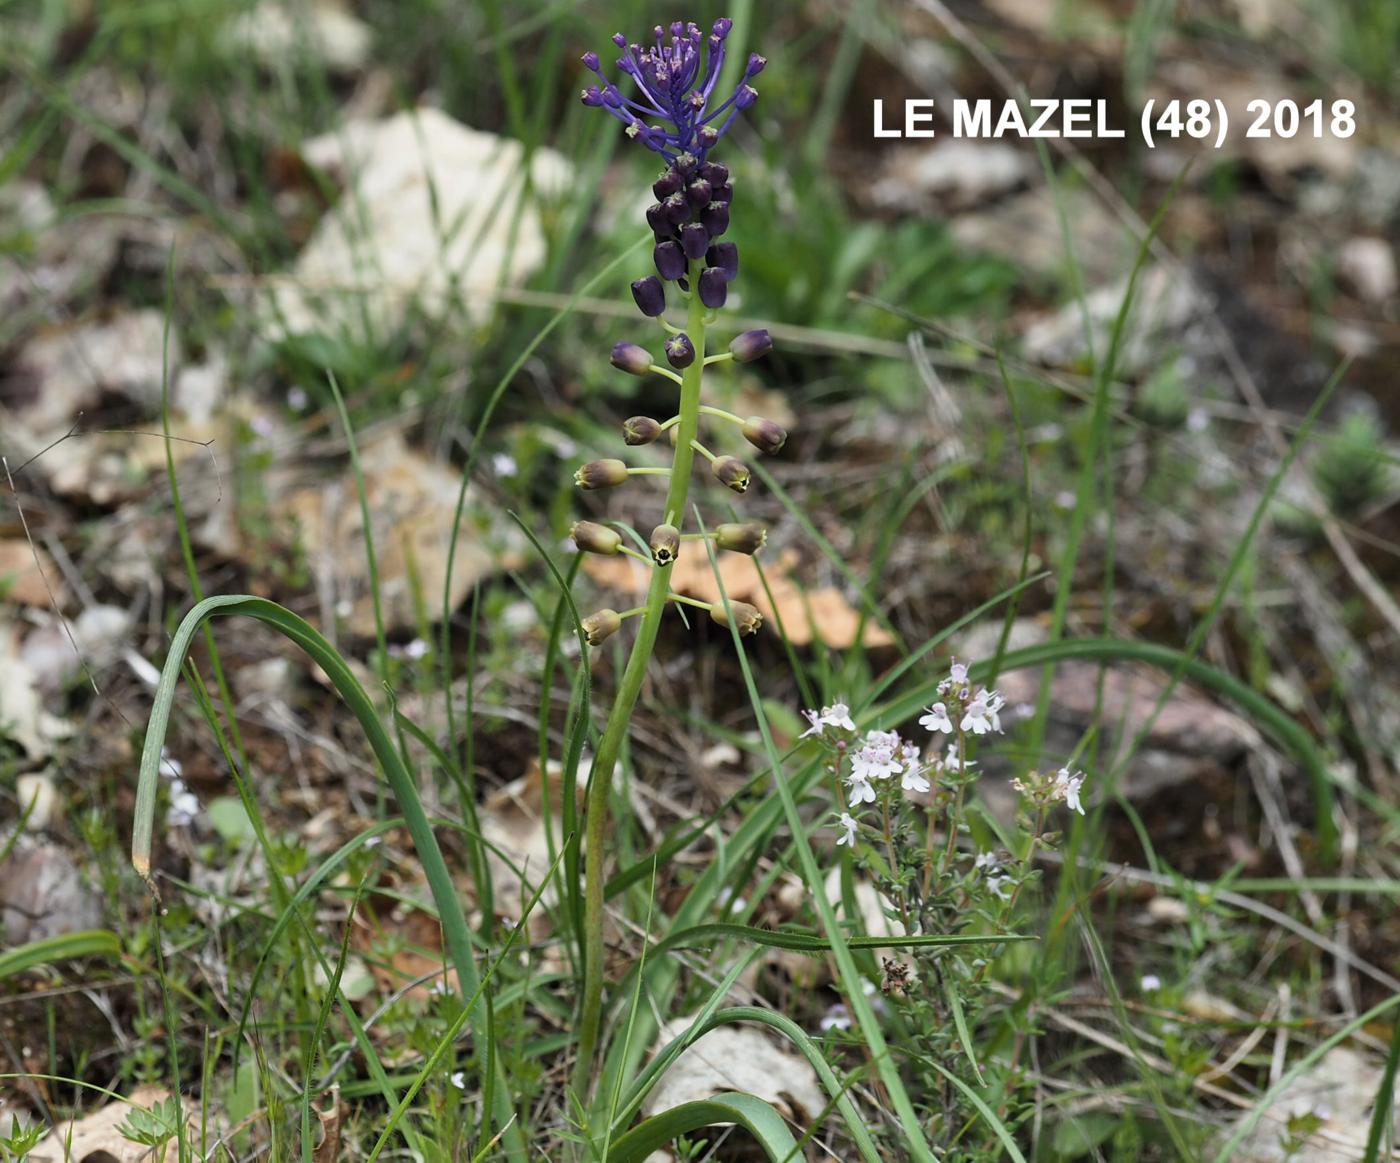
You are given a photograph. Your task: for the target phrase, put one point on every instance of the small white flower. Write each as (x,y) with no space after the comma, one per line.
(849,825)
(838,1017)
(874,761)
(981,716)
(416,649)
(503,465)
(937,719)
(297,399)
(838,715)
(1150,983)
(459,1080)
(976,718)
(184,805)
(913,777)
(987,864)
(957,673)
(170,767)
(815,720)
(861,791)
(440,989)
(953,761)
(1067,785)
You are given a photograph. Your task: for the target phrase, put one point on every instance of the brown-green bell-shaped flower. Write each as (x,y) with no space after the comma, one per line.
(747,618)
(764,435)
(601,626)
(640,430)
(665,544)
(741,537)
(591,537)
(731,472)
(601,474)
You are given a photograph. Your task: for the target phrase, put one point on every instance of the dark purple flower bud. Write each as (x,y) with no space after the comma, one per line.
(592,96)
(745,537)
(686,164)
(707,136)
(640,430)
(724,192)
(695,240)
(630,358)
(680,352)
(667,184)
(755,66)
(722,27)
(590,537)
(765,435)
(619,40)
(601,474)
(601,626)
(747,619)
(698,193)
(612,97)
(650,296)
(661,226)
(751,345)
(669,259)
(676,208)
(746,96)
(731,472)
(590,61)
(715,173)
(713,287)
(715,218)
(665,544)
(724,256)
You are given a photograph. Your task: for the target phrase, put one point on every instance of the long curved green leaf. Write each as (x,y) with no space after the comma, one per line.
(64,947)
(799,1037)
(753,1114)
(456,934)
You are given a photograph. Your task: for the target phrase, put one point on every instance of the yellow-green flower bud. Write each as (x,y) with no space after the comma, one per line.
(741,537)
(640,430)
(747,618)
(731,472)
(591,537)
(601,474)
(601,626)
(665,544)
(764,435)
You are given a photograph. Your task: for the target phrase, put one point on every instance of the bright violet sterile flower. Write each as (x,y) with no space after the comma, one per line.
(673,90)
(849,826)
(1067,785)
(937,719)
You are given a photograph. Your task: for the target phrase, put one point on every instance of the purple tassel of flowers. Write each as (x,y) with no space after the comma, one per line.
(674,113)
(673,90)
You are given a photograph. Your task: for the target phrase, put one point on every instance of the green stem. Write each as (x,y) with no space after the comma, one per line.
(610,746)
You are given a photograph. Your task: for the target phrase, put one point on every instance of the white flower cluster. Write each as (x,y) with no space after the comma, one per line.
(1063,788)
(874,758)
(977,710)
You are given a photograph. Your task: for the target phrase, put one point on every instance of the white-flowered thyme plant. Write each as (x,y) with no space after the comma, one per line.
(902,817)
